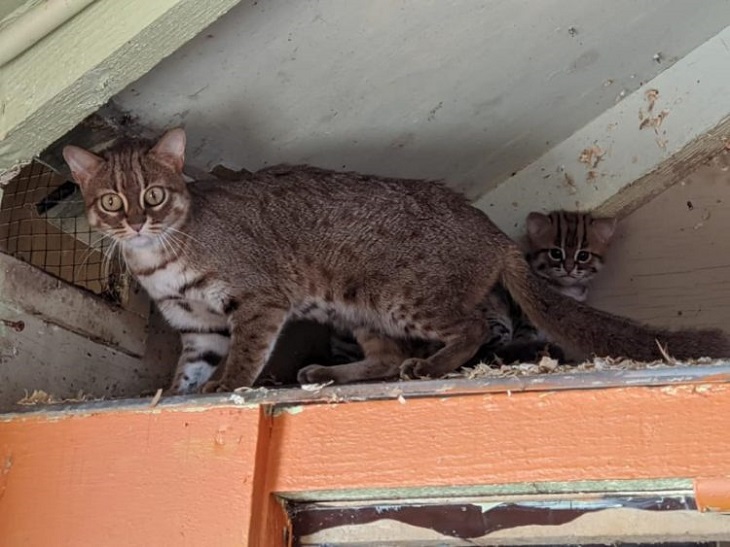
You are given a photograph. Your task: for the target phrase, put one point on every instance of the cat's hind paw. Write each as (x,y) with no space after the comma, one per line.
(315,374)
(414,369)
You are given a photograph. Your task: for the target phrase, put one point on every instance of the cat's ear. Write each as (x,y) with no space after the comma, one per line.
(170,150)
(83,164)
(538,225)
(604,228)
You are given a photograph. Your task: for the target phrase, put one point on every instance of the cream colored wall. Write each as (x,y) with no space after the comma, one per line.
(670,262)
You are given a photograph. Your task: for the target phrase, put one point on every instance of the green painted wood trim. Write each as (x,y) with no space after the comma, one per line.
(681,486)
(67,75)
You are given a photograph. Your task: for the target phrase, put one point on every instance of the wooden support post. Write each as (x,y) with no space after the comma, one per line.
(143,477)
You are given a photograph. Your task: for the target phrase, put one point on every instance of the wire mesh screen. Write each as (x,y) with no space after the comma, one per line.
(42,222)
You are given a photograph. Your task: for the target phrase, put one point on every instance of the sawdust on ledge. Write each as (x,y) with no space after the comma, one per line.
(548,365)
(40,397)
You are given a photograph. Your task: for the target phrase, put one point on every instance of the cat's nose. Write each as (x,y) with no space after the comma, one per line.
(136,226)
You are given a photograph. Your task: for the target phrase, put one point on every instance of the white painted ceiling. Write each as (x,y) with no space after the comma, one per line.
(467,90)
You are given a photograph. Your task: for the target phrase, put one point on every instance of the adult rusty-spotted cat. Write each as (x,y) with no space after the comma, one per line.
(565,248)
(229,262)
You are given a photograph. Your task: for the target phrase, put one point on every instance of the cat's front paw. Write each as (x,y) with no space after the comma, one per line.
(413,369)
(315,374)
(215,387)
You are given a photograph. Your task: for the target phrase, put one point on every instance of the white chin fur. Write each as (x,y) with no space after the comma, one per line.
(139,241)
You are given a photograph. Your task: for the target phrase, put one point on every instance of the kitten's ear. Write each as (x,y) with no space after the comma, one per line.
(537,225)
(83,164)
(170,150)
(604,228)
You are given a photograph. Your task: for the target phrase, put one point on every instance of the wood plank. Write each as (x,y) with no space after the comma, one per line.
(637,160)
(35,354)
(30,290)
(668,263)
(292,398)
(624,433)
(158,478)
(66,76)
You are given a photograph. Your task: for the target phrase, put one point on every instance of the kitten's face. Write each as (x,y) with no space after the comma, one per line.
(135,195)
(568,247)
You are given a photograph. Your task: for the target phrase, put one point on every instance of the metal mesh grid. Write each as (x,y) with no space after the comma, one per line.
(42,222)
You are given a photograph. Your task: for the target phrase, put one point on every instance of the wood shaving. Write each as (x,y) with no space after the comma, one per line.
(591,156)
(547,364)
(246,389)
(543,367)
(667,358)
(654,121)
(156,398)
(316,387)
(651,96)
(40,397)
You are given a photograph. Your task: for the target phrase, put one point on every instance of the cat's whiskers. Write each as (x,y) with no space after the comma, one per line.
(182,248)
(90,250)
(166,245)
(106,263)
(184,234)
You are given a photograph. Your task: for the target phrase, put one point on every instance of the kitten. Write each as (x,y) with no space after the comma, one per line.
(228,263)
(566,249)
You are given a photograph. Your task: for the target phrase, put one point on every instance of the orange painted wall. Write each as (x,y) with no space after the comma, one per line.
(129,478)
(206,475)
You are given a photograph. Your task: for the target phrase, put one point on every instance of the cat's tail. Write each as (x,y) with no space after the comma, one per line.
(593,332)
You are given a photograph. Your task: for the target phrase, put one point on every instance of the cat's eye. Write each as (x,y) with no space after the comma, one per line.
(555,253)
(154,196)
(583,256)
(111,202)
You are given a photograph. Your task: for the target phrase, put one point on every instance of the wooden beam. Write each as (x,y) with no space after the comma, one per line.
(633,433)
(63,78)
(648,141)
(213,467)
(28,289)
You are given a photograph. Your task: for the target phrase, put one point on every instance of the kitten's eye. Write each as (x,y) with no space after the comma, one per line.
(583,256)
(555,253)
(111,202)
(154,196)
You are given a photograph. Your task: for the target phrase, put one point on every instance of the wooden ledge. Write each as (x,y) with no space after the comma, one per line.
(218,470)
(281,398)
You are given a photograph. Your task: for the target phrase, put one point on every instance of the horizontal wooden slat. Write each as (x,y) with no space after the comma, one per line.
(624,433)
